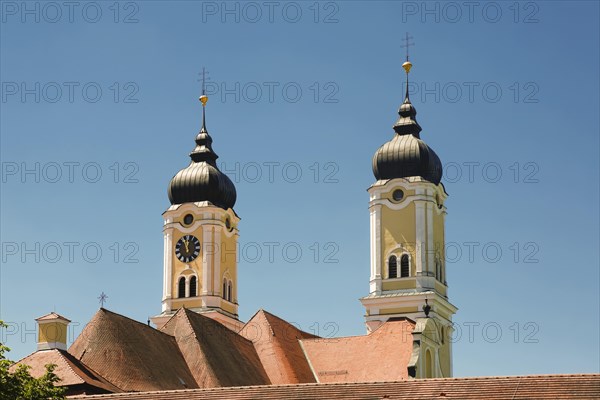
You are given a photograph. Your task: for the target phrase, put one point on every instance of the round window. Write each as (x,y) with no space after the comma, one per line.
(188,219)
(398,195)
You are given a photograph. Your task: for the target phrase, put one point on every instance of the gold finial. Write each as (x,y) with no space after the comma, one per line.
(407,66)
(203,99)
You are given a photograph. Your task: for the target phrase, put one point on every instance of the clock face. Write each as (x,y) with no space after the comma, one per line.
(187,248)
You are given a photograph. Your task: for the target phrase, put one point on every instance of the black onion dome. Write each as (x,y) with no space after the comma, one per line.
(406,154)
(202,180)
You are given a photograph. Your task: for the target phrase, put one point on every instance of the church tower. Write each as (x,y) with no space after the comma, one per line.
(200,238)
(408,270)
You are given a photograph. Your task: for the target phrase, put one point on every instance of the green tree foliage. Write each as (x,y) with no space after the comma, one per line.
(20,385)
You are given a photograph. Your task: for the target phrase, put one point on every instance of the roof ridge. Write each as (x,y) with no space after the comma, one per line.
(253,315)
(267,314)
(189,323)
(146,326)
(343,337)
(88,370)
(237,335)
(54,314)
(68,364)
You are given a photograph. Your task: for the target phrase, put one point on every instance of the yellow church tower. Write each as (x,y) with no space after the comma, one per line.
(200,238)
(408,270)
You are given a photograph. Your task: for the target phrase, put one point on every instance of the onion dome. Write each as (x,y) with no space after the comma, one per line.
(406,154)
(202,180)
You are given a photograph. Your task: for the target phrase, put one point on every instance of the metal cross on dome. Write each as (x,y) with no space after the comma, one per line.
(407,44)
(102,298)
(204,76)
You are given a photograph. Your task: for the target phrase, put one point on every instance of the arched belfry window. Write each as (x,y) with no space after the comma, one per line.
(393,267)
(181,287)
(404,266)
(224,288)
(229,290)
(193,286)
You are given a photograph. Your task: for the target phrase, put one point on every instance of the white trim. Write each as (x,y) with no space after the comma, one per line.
(413,299)
(217,260)
(206,260)
(165,255)
(51,345)
(399,206)
(372,242)
(312,369)
(169,262)
(420,236)
(376,261)
(384,186)
(430,249)
(398,251)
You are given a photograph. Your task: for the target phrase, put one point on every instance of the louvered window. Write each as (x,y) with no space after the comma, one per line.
(193,286)
(404,266)
(181,287)
(393,267)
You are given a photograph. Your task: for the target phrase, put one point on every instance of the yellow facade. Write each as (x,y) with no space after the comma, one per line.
(52,332)
(215,267)
(411,224)
(398,310)
(399,283)
(399,228)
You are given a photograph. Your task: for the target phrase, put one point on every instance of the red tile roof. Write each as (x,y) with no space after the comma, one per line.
(585,386)
(52,316)
(71,371)
(380,356)
(216,355)
(277,345)
(131,355)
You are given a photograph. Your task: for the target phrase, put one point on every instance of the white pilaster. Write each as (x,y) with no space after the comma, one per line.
(430,245)
(207,243)
(421,262)
(168,263)
(376,257)
(216,278)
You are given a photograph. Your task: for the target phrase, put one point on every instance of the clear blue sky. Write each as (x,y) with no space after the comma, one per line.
(500,88)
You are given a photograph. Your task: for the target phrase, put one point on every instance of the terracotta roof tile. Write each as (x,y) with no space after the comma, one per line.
(584,386)
(277,345)
(70,370)
(216,355)
(380,356)
(131,355)
(52,316)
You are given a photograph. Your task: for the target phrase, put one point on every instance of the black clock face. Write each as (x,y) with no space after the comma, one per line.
(187,248)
